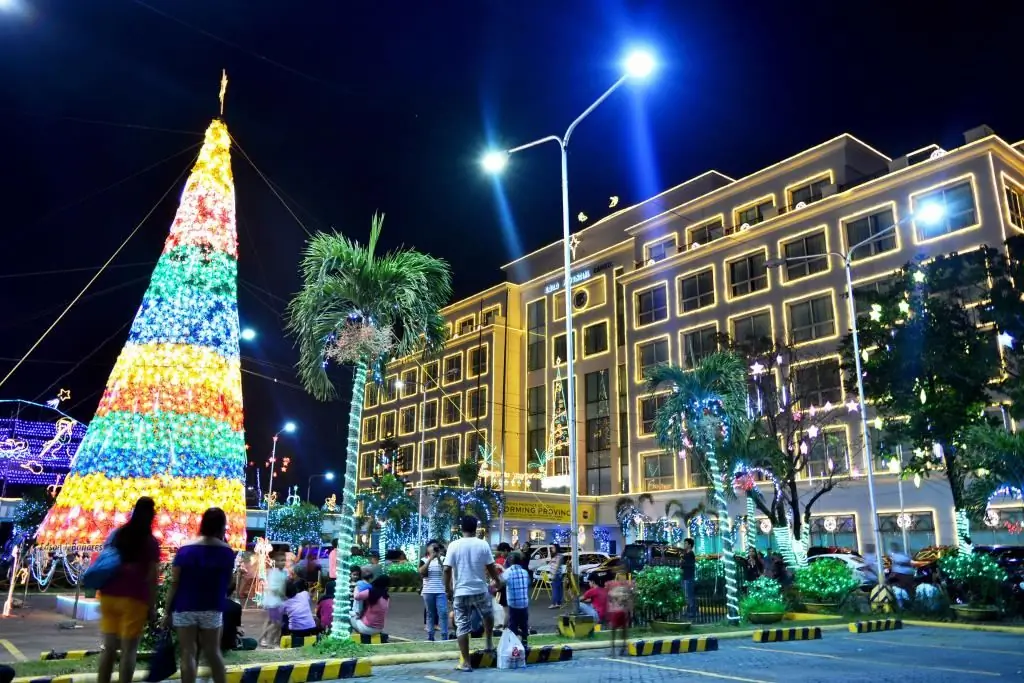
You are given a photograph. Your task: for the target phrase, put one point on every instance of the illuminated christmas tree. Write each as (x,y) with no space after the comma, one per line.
(169,424)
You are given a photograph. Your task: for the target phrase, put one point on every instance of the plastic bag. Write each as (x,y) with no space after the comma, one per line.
(511,653)
(499,612)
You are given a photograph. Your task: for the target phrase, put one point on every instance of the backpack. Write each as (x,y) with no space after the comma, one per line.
(103,568)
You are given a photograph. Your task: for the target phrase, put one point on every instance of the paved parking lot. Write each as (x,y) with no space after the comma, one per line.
(914,655)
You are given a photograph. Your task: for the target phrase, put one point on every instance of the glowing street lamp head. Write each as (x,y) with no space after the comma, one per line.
(399,384)
(639,64)
(495,161)
(329,476)
(248,334)
(289,427)
(930,212)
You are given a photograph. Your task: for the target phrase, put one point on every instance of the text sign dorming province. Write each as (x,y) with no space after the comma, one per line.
(531,511)
(578,277)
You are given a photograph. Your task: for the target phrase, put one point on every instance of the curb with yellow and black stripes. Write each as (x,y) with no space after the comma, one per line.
(778,635)
(488,659)
(54,655)
(297,672)
(670,646)
(876,625)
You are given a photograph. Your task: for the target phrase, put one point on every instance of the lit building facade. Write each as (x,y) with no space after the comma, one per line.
(658,282)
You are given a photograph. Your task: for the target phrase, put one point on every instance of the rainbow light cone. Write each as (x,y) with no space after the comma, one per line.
(169,425)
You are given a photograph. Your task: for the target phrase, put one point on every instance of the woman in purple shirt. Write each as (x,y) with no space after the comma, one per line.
(199,582)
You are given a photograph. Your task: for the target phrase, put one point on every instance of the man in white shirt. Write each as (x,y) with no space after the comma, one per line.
(466,567)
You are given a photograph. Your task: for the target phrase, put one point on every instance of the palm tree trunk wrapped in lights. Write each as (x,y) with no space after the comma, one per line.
(359,308)
(696,415)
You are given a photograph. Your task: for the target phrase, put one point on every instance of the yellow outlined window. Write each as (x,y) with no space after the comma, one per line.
(828,453)
(410,382)
(957,198)
(660,249)
(478,360)
(371,395)
(812,318)
(647,408)
(369,429)
(430,374)
(659,470)
(1014,192)
(796,249)
(536,334)
(430,414)
(404,457)
(747,274)
(451,410)
(696,343)
(809,190)
(407,420)
(865,226)
(390,389)
(752,327)
(490,315)
(696,290)
(595,339)
(559,353)
(428,454)
(706,231)
(475,441)
(476,402)
(867,293)
(451,450)
(452,369)
(651,305)
(387,425)
(754,212)
(465,325)
(650,354)
(367,464)
(817,383)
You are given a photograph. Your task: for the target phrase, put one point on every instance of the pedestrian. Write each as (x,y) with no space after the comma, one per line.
(620,608)
(688,565)
(363,584)
(375,613)
(466,567)
(870,558)
(127,601)
(273,598)
(902,572)
(594,601)
(198,589)
(516,581)
(332,561)
(434,599)
(501,562)
(555,566)
(297,620)
(325,606)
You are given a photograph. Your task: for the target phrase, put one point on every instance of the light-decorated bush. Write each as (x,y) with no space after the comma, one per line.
(659,592)
(825,581)
(764,596)
(403,575)
(977,575)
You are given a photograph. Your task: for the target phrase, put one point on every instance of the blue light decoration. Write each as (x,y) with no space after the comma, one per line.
(560,535)
(37,451)
(603,538)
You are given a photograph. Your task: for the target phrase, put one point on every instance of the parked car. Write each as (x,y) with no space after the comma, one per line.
(603,572)
(588,561)
(863,571)
(540,556)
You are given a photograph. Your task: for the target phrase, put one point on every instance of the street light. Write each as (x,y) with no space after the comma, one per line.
(329,476)
(928,213)
(636,65)
(289,427)
(247,334)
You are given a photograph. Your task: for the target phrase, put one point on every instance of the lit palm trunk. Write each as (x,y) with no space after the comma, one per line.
(341,620)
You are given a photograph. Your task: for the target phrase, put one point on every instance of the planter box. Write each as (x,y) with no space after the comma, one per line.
(765,617)
(966,613)
(670,626)
(821,607)
(578,626)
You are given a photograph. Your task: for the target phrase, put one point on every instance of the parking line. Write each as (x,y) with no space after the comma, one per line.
(860,660)
(15,652)
(901,643)
(695,672)
(438,679)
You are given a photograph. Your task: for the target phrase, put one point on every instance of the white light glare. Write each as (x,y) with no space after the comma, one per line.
(931,212)
(289,427)
(329,476)
(495,162)
(639,64)
(399,384)
(248,334)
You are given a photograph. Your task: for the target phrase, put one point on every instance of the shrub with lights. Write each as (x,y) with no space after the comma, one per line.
(296,524)
(825,581)
(169,423)
(764,596)
(659,593)
(977,576)
(403,575)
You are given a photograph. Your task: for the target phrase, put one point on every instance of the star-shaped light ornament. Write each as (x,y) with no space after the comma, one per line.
(582,217)
(919,276)
(1005,340)
(904,307)
(877,423)
(876,312)
(64,395)
(852,406)
(812,431)
(757,369)
(575,240)
(803,448)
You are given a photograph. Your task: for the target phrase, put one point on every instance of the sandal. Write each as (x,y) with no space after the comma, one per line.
(463,667)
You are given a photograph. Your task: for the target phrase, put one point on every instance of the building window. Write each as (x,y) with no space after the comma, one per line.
(598,437)
(828,454)
(919,527)
(559,353)
(409,383)
(702,234)
(490,316)
(866,295)
(649,407)
(652,306)
(699,343)
(536,439)
(811,319)
(452,411)
(477,402)
(595,339)
(809,193)
(659,251)
(453,369)
(753,328)
(818,384)
(1015,203)
(407,420)
(391,389)
(697,290)
(475,441)
(387,425)
(957,203)
(797,265)
(868,228)
(428,455)
(430,374)
(449,451)
(404,459)
(536,345)
(620,378)
(620,310)
(659,472)
(748,274)
(371,395)
(753,215)
(478,361)
(652,354)
(430,414)
(367,465)
(369,429)
(465,326)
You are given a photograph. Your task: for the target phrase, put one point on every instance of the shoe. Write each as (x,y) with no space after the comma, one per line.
(430,638)
(464,667)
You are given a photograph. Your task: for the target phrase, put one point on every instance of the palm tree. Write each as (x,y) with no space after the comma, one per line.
(483,501)
(359,308)
(696,416)
(998,459)
(391,506)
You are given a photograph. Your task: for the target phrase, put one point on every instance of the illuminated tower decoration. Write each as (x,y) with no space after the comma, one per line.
(169,424)
(557,464)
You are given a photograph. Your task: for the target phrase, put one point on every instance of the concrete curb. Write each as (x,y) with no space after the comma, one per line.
(671,646)
(488,659)
(962,626)
(269,672)
(876,626)
(54,655)
(778,635)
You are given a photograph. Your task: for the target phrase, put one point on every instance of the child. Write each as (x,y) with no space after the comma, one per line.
(325,607)
(363,584)
(516,582)
(273,598)
(620,608)
(298,614)
(594,602)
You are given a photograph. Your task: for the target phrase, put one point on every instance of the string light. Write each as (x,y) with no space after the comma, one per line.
(169,424)
(38,452)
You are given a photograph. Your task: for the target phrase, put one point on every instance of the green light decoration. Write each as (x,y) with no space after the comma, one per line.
(826,581)
(540,459)
(749,525)
(764,596)
(963,531)
(485,456)
(296,524)
(979,575)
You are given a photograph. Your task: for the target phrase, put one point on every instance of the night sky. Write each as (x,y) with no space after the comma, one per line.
(349,107)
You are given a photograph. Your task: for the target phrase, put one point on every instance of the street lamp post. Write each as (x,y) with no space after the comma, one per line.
(637,65)
(329,476)
(289,427)
(928,213)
